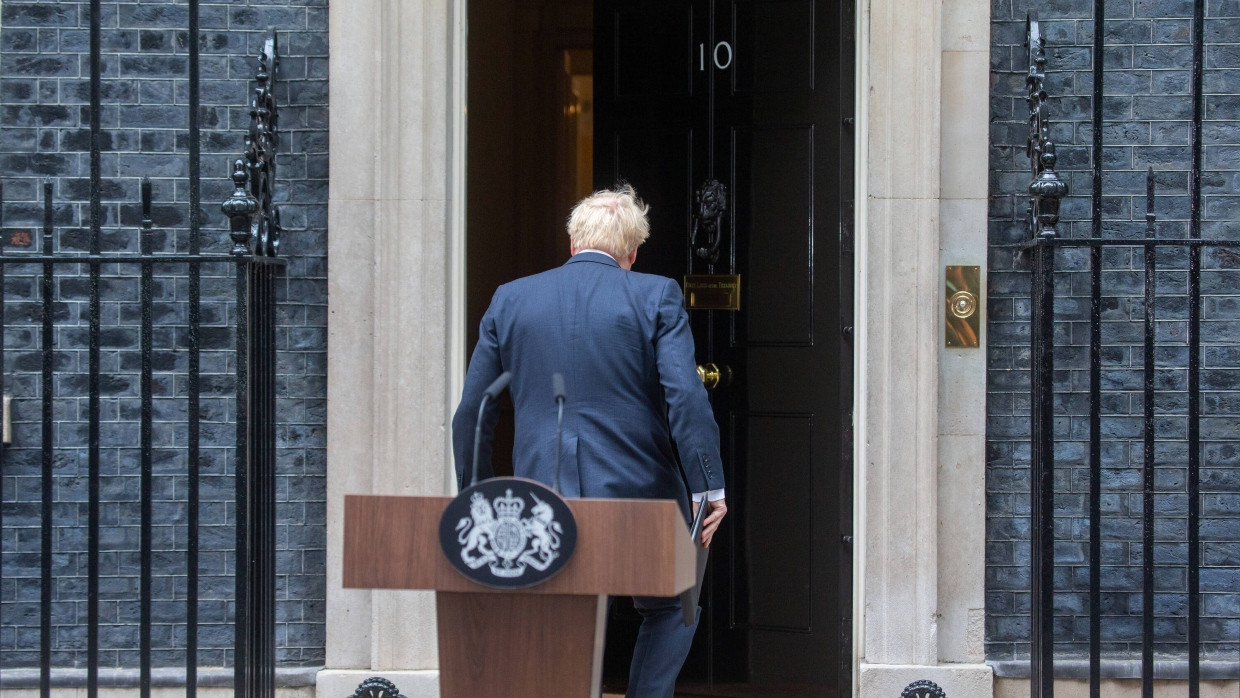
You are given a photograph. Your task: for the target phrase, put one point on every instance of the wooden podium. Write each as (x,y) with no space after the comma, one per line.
(539,642)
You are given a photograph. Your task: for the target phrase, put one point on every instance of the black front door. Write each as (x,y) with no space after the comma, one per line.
(758,95)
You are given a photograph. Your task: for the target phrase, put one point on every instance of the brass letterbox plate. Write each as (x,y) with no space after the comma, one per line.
(713,291)
(963,291)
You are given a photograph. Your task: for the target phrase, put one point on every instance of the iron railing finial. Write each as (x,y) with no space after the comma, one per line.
(254,218)
(1046,188)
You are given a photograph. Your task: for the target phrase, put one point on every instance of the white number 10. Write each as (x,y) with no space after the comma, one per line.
(721,64)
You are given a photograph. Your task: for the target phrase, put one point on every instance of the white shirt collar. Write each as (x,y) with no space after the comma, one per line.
(599,252)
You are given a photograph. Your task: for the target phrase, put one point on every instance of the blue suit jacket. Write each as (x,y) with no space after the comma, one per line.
(622,341)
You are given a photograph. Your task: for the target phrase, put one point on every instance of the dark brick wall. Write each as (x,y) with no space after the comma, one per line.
(44,91)
(1146,111)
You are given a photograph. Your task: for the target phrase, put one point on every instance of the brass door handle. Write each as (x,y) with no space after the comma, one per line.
(714,376)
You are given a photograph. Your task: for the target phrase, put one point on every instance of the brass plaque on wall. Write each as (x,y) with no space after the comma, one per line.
(963,292)
(713,291)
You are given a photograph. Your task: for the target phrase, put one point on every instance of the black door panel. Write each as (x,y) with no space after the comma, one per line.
(777,41)
(755,94)
(772,175)
(776,579)
(658,162)
(652,47)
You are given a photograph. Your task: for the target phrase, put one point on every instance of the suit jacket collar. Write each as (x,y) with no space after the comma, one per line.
(596,257)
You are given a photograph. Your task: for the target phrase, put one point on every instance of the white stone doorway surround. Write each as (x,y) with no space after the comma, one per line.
(396,334)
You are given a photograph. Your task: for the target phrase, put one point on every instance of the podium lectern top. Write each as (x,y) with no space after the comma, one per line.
(625,547)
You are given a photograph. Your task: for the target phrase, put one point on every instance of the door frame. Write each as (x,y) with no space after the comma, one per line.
(922,77)
(458,289)
(458,201)
(861,137)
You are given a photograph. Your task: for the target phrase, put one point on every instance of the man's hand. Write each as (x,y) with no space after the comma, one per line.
(718,509)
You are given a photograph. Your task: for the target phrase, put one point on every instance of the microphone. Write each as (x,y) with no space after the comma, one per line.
(493,390)
(557,389)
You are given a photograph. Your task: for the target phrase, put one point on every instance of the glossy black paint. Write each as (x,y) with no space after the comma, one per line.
(1045,191)
(194,368)
(1095,367)
(758,96)
(255,231)
(93,400)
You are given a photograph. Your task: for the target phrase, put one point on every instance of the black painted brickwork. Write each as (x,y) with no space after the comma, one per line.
(44,90)
(1146,110)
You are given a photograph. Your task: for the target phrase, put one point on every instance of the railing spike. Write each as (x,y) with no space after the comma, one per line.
(254,218)
(1047,187)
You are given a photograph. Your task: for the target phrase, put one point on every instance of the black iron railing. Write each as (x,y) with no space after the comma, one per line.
(254,256)
(1045,191)
(254,223)
(1170,368)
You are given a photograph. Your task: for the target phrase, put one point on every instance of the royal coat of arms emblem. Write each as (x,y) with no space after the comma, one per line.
(508,532)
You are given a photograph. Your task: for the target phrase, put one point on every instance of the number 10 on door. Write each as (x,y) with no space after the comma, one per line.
(722,56)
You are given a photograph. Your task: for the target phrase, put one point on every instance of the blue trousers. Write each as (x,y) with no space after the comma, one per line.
(662,644)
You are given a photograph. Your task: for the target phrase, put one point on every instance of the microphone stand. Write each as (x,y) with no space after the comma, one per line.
(557,387)
(493,390)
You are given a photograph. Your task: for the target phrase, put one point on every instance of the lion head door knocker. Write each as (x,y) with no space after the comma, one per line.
(711,203)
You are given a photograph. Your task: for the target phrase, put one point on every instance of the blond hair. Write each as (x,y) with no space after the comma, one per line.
(612,221)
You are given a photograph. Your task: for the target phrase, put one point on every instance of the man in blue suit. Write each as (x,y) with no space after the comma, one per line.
(635,403)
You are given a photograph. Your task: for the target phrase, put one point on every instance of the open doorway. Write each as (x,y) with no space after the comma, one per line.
(566,96)
(530,148)
(530,158)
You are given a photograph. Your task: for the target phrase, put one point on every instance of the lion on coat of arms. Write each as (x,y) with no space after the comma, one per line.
(495,534)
